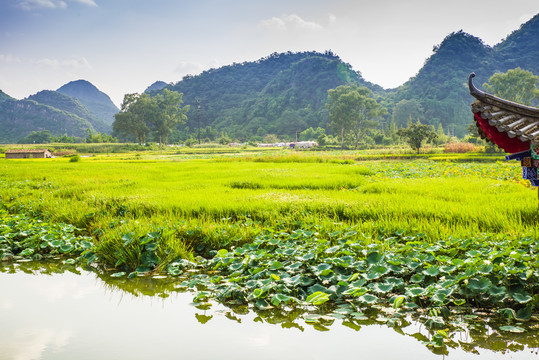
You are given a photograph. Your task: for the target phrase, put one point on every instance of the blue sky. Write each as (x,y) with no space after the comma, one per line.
(123,46)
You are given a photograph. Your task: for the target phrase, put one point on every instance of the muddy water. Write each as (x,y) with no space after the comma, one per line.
(77,315)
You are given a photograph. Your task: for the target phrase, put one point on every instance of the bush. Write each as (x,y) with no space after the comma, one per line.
(461,148)
(74,158)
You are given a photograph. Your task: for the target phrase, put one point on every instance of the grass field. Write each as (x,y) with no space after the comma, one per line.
(275,227)
(436,198)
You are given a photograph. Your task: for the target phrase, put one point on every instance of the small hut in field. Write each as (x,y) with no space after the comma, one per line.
(28,154)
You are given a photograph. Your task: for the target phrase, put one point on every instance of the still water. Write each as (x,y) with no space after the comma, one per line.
(77,315)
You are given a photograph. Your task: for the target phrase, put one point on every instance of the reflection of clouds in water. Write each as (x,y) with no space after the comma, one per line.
(259,341)
(57,290)
(6,305)
(29,344)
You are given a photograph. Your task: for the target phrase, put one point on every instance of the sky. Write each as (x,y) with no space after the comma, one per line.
(123,46)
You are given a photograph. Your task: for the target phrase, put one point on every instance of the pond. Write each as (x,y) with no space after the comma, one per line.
(70,313)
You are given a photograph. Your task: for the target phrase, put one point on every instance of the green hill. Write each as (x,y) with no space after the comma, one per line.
(97,102)
(440,87)
(72,105)
(18,118)
(285,93)
(279,94)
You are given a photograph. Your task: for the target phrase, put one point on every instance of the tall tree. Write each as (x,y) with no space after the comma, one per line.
(516,85)
(340,105)
(352,109)
(416,134)
(132,118)
(170,113)
(365,112)
(141,114)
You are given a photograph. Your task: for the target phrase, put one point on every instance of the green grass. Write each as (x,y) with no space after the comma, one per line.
(437,199)
(280,228)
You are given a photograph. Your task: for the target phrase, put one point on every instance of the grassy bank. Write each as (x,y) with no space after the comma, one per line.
(277,229)
(215,198)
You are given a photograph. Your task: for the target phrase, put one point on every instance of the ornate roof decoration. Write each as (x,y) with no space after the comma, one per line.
(509,125)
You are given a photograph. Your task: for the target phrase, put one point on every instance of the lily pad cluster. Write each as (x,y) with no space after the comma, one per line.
(26,238)
(299,268)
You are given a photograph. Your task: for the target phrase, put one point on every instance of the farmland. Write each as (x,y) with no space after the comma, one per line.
(343,232)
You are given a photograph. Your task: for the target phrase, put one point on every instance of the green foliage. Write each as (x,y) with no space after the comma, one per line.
(37,137)
(281,94)
(352,110)
(142,115)
(25,237)
(416,134)
(71,105)
(516,85)
(100,138)
(406,109)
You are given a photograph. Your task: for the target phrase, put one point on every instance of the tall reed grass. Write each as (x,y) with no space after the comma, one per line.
(200,205)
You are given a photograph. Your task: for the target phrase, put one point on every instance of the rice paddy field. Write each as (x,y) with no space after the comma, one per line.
(443,238)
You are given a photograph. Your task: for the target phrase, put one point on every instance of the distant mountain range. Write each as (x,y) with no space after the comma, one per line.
(71,110)
(286,93)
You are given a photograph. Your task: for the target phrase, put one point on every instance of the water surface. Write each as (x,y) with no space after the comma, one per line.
(76,315)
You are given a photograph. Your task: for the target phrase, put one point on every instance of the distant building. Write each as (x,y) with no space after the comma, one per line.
(28,154)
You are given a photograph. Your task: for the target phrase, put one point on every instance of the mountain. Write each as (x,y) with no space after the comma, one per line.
(4,96)
(158,85)
(72,105)
(521,48)
(72,110)
(18,118)
(440,87)
(97,102)
(279,94)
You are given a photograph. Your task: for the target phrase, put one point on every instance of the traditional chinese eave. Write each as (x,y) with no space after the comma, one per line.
(509,125)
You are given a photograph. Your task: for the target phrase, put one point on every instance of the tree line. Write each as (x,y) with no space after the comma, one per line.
(356,117)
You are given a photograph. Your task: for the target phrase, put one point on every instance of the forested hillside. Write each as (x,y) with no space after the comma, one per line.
(57,112)
(439,92)
(285,93)
(97,102)
(72,105)
(279,94)
(19,118)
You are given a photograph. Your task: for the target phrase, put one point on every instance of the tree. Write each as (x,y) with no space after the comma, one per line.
(340,105)
(366,110)
(352,108)
(132,119)
(416,134)
(169,113)
(141,114)
(311,134)
(37,137)
(516,85)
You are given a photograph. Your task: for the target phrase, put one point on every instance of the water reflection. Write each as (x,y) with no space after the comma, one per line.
(57,311)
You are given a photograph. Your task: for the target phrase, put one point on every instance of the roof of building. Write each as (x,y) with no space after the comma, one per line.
(509,125)
(26,151)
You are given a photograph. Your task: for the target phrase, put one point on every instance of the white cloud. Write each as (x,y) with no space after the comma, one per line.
(51,4)
(77,63)
(332,18)
(9,58)
(289,21)
(36,4)
(86,2)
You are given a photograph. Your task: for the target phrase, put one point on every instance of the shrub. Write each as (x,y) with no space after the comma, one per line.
(74,158)
(461,148)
